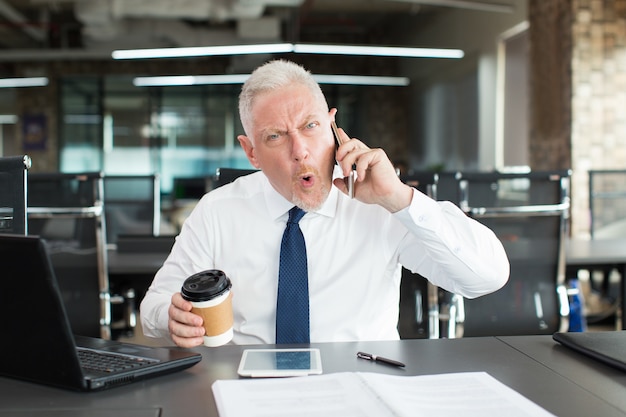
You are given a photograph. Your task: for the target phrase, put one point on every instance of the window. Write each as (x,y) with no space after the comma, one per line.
(111,125)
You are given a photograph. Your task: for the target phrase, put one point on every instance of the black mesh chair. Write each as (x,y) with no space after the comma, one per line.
(420,309)
(607,203)
(13,176)
(528,213)
(132,206)
(132,210)
(67,211)
(607,213)
(226,175)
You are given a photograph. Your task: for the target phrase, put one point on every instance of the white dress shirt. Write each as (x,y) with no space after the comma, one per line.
(354,252)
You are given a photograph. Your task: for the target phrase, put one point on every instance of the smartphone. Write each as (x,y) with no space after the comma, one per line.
(349,180)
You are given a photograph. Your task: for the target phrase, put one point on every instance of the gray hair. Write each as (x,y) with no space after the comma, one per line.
(272,76)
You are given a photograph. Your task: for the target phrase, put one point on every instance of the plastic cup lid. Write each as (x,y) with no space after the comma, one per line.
(205,285)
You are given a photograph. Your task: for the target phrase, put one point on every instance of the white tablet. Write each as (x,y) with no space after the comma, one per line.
(260,363)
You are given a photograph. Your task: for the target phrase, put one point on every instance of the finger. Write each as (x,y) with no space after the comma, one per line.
(187,342)
(184,326)
(180,302)
(183,316)
(362,163)
(343,136)
(347,144)
(184,330)
(185,335)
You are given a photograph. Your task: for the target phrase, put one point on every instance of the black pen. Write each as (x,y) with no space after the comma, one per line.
(370,357)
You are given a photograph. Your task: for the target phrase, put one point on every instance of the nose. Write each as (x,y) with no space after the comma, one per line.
(299,146)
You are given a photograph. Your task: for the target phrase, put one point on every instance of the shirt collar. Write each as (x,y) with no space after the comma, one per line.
(278,206)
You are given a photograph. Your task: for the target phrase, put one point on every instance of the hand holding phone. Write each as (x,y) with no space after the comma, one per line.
(349,180)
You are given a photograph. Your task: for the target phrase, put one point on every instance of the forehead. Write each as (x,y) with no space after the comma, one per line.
(288,102)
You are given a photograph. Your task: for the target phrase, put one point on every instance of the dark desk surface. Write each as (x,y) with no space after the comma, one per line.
(595,252)
(602,380)
(534,366)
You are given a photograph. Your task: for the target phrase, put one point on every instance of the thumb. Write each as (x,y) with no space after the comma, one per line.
(341,184)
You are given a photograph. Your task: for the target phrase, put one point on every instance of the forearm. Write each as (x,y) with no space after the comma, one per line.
(453,251)
(399,199)
(154,315)
(167,281)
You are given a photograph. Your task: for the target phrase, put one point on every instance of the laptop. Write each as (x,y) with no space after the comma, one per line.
(38,344)
(608,347)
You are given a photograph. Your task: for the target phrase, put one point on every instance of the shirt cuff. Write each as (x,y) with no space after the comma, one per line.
(423,212)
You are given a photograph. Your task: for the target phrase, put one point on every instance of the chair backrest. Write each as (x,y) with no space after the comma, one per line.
(607,203)
(425,181)
(528,212)
(189,188)
(226,175)
(448,186)
(13,176)
(67,211)
(132,205)
(418,316)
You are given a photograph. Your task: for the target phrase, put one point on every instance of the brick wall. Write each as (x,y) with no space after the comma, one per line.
(598,97)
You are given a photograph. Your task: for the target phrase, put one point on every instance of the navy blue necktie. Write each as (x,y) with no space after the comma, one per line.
(292,308)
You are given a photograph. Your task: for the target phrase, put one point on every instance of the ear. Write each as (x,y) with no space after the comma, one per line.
(248,148)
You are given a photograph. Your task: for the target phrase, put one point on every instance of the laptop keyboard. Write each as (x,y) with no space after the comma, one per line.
(110,362)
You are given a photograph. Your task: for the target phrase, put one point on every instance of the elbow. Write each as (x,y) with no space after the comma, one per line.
(491,279)
(501,275)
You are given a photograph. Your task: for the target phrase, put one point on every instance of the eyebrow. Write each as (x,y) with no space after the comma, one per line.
(308,119)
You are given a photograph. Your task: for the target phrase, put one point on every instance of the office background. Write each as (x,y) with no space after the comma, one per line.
(542,84)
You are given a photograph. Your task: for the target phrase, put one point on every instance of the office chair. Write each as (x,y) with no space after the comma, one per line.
(226,175)
(420,313)
(607,208)
(132,205)
(448,186)
(67,211)
(13,177)
(189,188)
(528,213)
(607,203)
(132,208)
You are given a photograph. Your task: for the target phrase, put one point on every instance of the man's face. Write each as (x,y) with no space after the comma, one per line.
(293,144)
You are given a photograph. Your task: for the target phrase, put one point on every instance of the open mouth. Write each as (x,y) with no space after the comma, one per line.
(306,180)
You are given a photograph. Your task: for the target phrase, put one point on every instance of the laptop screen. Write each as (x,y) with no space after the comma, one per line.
(42,347)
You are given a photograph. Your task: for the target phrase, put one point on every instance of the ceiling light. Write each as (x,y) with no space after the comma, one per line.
(189,80)
(272,48)
(361,80)
(378,51)
(23,82)
(241,78)
(8,119)
(404,52)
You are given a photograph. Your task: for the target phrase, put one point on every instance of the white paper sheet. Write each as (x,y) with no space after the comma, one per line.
(353,394)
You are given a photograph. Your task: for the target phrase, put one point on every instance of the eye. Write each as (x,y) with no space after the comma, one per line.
(273,136)
(312,125)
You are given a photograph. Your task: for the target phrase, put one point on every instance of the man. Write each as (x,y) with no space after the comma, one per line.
(354,247)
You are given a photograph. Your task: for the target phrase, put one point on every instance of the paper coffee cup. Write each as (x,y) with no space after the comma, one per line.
(211,298)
